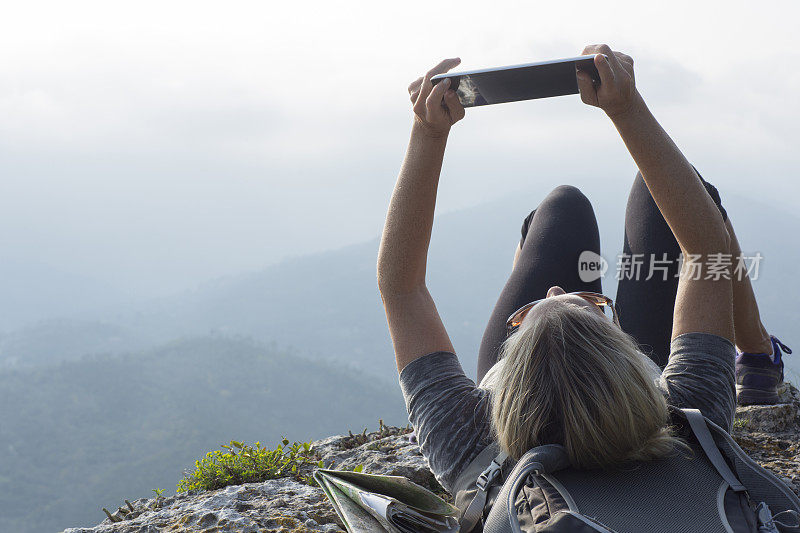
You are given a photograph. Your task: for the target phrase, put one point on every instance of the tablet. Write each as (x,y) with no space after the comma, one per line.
(519,82)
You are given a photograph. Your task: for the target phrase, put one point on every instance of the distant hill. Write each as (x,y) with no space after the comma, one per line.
(66,339)
(114,427)
(85,434)
(327,305)
(33,290)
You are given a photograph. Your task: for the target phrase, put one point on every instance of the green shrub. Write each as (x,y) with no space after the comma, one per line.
(240,463)
(740,423)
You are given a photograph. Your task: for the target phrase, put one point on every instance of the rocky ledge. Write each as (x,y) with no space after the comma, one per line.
(770,434)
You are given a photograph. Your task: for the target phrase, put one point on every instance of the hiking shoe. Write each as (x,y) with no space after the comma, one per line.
(758,376)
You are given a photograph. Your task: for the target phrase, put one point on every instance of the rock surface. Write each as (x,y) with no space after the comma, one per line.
(770,434)
(282,505)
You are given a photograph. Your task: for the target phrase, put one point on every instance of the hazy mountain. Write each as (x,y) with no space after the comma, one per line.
(65,339)
(34,291)
(85,434)
(327,304)
(109,427)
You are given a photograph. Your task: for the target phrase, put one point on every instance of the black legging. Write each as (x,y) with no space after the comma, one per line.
(553,237)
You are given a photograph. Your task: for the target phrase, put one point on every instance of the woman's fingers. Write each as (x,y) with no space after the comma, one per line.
(443,66)
(610,55)
(454,106)
(426,86)
(590,50)
(603,65)
(624,58)
(617,61)
(618,66)
(414,86)
(434,101)
(424,90)
(627,63)
(586,88)
(436,106)
(617,88)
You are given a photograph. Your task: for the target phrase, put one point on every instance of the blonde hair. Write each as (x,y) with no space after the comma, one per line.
(574,378)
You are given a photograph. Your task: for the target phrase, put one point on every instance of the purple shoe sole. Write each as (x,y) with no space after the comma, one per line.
(751,396)
(758,376)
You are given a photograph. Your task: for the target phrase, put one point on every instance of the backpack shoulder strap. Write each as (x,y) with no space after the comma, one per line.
(697,423)
(543,459)
(762,485)
(474,511)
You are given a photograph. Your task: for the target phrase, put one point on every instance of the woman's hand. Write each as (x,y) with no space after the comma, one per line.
(436,108)
(616,94)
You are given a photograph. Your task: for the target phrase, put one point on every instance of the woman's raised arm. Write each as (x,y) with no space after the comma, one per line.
(414,322)
(702,305)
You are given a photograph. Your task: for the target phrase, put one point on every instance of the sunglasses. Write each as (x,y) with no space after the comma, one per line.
(603,302)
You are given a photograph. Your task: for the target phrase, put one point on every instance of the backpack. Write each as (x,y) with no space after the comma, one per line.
(718,488)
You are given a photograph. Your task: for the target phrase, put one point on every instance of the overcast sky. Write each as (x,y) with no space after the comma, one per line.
(153,145)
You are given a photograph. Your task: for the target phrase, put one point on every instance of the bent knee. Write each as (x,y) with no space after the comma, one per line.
(568,196)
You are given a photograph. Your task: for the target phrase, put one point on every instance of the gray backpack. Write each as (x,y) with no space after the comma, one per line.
(718,489)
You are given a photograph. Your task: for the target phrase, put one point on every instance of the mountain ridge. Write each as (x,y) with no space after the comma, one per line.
(327,305)
(92,431)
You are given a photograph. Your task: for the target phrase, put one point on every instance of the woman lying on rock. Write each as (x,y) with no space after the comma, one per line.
(574,369)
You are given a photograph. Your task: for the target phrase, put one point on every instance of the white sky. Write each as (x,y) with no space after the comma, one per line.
(156,144)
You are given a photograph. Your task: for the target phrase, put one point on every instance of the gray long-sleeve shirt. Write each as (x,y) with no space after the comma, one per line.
(450,414)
